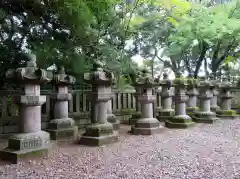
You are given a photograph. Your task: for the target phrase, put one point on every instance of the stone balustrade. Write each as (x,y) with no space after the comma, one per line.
(123,105)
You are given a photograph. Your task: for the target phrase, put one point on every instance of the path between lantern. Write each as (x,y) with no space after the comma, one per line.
(203,151)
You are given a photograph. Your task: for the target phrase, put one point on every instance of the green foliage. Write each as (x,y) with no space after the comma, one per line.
(73,33)
(211,32)
(65,32)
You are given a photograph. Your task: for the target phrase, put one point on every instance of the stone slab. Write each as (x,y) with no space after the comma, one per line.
(147,123)
(116,125)
(58,134)
(44,125)
(15,156)
(132,121)
(170,124)
(163,118)
(10,129)
(204,120)
(99,141)
(146,131)
(227,117)
(63,123)
(1,129)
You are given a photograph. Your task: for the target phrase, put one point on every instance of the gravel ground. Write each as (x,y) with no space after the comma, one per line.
(201,152)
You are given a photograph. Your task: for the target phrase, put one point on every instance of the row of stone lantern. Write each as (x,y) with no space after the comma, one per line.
(32,140)
(186,112)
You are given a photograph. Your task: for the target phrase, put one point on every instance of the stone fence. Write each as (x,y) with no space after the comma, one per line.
(123,104)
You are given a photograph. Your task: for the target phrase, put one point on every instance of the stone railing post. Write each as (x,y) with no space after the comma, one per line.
(146,125)
(31,140)
(101,132)
(204,114)
(180,119)
(226,101)
(61,126)
(166,93)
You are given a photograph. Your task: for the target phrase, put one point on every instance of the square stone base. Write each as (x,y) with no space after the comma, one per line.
(15,156)
(98,141)
(215,108)
(116,125)
(165,114)
(205,120)
(163,118)
(146,131)
(170,124)
(56,134)
(132,121)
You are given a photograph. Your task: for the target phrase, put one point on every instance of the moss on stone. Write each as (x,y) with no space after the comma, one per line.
(176,119)
(194,108)
(226,112)
(16,156)
(204,114)
(170,124)
(124,112)
(97,130)
(180,81)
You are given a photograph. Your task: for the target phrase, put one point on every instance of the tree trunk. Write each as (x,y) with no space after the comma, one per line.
(200,59)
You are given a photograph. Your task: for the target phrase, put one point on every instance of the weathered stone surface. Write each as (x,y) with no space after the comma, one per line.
(146,125)
(192,93)
(31,139)
(21,146)
(99,134)
(61,96)
(204,114)
(114,121)
(100,140)
(175,125)
(111,118)
(62,127)
(18,156)
(63,133)
(134,118)
(165,114)
(205,117)
(101,131)
(226,101)
(63,123)
(180,119)
(215,91)
(32,100)
(96,130)
(166,98)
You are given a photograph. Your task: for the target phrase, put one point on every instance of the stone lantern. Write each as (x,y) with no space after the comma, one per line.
(31,140)
(204,114)
(61,126)
(146,125)
(101,131)
(213,102)
(192,93)
(226,100)
(166,93)
(180,119)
